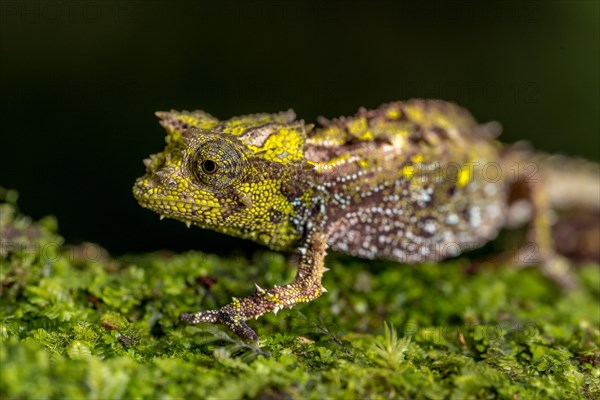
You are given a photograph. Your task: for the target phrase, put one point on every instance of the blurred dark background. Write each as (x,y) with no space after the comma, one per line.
(80,82)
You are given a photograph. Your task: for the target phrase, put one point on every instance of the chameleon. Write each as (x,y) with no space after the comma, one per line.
(410,181)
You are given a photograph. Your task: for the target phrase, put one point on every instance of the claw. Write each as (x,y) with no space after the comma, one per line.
(244,331)
(233,322)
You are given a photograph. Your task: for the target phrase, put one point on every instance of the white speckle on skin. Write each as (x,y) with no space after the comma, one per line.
(490,189)
(452,219)
(475,216)
(430,226)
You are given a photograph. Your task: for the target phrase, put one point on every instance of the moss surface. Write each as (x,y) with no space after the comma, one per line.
(77,323)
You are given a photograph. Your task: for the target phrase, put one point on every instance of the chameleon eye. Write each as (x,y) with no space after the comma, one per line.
(209,166)
(217,163)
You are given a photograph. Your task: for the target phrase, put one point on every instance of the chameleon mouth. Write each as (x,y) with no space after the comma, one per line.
(150,195)
(142,188)
(158,199)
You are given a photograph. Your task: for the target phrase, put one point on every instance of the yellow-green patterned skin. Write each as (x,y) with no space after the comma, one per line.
(247,201)
(409,181)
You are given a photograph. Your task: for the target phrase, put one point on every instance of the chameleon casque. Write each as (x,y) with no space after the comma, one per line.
(410,181)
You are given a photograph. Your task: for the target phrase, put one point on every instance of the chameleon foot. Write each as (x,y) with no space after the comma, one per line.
(305,287)
(558,269)
(234,322)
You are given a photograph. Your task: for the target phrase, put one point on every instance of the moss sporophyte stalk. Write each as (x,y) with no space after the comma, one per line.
(413,181)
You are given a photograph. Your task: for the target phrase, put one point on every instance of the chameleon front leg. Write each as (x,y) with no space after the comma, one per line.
(305,287)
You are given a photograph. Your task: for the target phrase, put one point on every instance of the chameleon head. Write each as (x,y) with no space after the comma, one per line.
(226,176)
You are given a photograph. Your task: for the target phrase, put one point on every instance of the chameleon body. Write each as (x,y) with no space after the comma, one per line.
(409,181)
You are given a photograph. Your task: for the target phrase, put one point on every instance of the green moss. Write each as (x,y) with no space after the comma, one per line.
(77,323)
